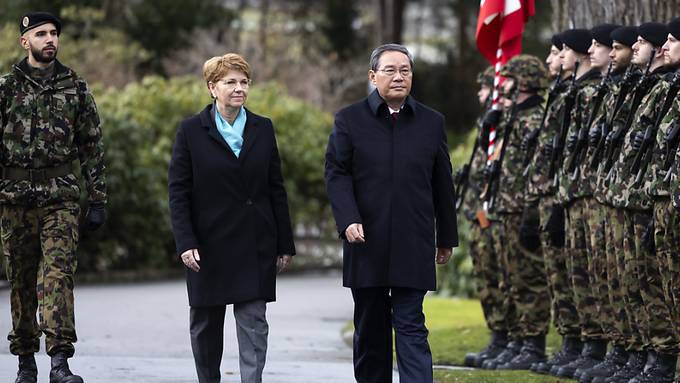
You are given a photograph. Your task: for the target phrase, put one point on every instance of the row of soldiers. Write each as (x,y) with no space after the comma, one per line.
(576,207)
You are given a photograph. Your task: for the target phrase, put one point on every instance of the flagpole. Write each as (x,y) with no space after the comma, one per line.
(495,106)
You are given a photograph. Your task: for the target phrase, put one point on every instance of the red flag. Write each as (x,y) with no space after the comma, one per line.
(500,25)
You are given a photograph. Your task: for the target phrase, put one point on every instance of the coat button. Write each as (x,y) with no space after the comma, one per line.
(249,202)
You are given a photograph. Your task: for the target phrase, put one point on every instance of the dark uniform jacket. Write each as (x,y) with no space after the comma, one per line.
(233,210)
(394,179)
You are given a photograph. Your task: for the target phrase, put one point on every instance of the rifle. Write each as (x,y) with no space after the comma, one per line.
(645,153)
(672,146)
(641,89)
(560,138)
(532,138)
(461,189)
(576,156)
(602,147)
(491,190)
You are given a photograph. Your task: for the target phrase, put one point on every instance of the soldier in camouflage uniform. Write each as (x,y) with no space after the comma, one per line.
(659,269)
(625,354)
(484,259)
(525,268)
(541,196)
(50,133)
(576,45)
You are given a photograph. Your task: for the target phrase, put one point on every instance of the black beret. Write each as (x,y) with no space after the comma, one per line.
(35,19)
(577,39)
(625,35)
(557,41)
(655,33)
(674,27)
(601,33)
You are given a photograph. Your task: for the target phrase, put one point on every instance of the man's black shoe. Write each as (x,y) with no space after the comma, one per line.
(513,348)
(498,342)
(635,364)
(60,373)
(570,351)
(614,361)
(28,370)
(661,371)
(532,351)
(592,354)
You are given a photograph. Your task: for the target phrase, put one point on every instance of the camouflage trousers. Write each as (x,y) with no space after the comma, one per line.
(487,272)
(563,307)
(525,272)
(596,244)
(577,245)
(664,310)
(635,224)
(625,335)
(39,245)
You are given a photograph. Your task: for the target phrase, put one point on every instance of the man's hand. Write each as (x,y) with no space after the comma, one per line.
(355,233)
(443,255)
(190,258)
(95,216)
(283,262)
(637,141)
(594,135)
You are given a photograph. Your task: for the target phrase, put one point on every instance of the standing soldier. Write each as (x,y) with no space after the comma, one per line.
(659,122)
(575,57)
(50,129)
(484,259)
(541,195)
(526,79)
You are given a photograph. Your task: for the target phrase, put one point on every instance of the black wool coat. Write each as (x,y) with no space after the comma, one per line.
(233,210)
(395,179)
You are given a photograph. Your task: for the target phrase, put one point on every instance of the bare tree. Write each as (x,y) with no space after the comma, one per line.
(389,20)
(586,13)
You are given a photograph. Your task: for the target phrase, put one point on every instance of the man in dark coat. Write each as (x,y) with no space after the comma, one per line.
(388,178)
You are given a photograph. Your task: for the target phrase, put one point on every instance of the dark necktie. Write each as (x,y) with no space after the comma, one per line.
(395,116)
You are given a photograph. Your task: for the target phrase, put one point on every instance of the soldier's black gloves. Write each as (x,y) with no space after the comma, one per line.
(461,174)
(555,226)
(571,142)
(648,237)
(610,138)
(492,118)
(529,229)
(594,135)
(637,140)
(529,140)
(95,216)
(676,200)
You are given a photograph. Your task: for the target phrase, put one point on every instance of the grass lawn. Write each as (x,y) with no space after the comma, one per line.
(456,328)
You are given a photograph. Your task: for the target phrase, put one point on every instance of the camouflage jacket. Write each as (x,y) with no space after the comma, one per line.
(512,183)
(654,184)
(45,124)
(623,193)
(570,188)
(476,182)
(538,181)
(675,180)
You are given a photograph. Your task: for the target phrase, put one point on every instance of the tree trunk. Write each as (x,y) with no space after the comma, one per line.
(388,20)
(588,13)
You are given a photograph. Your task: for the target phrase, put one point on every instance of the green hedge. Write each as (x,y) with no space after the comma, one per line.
(139,124)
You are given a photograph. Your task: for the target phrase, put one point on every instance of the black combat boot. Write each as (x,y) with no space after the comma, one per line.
(571,350)
(635,364)
(60,372)
(511,350)
(592,354)
(613,362)
(28,370)
(532,351)
(661,371)
(499,339)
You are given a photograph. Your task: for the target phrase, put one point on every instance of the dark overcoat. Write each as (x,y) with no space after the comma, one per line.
(395,179)
(233,210)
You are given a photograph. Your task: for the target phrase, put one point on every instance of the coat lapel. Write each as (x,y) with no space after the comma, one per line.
(249,135)
(208,121)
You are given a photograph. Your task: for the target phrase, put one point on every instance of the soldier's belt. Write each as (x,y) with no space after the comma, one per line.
(37,175)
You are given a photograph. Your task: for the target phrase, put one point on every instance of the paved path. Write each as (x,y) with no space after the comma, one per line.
(139,333)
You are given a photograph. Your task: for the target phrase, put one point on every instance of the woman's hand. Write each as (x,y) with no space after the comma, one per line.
(283,262)
(190,258)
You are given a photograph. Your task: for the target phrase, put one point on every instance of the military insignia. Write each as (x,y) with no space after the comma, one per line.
(25,21)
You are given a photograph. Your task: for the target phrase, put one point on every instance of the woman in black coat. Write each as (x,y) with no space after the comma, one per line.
(230,219)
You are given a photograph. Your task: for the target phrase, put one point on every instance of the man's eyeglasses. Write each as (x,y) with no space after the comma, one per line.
(405,72)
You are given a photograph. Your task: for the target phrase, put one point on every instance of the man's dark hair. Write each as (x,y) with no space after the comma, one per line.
(377,52)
